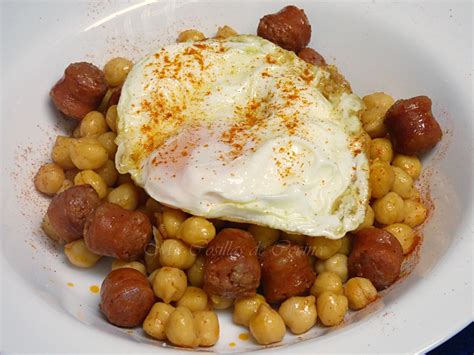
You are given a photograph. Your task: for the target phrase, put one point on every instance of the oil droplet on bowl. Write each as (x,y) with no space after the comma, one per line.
(94,289)
(70,284)
(244,336)
(232,344)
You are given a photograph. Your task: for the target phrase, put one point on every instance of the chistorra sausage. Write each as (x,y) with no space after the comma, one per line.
(231,267)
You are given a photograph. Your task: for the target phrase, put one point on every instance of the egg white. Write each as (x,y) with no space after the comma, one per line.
(240,129)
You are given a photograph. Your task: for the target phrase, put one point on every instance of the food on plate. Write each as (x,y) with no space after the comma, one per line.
(376,255)
(240,144)
(69,210)
(114,231)
(126,297)
(231,267)
(80,90)
(270,189)
(289,28)
(309,55)
(412,126)
(286,272)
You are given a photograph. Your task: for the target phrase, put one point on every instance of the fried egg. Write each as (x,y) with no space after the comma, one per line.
(243,130)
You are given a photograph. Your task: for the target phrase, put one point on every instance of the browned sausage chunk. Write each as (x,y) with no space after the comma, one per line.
(114,231)
(412,126)
(80,90)
(289,28)
(286,272)
(376,255)
(310,56)
(68,211)
(126,297)
(231,267)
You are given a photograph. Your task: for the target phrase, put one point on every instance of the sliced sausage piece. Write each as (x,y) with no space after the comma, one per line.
(114,231)
(412,126)
(231,267)
(80,90)
(310,56)
(126,297)
(286,272)
(69,210)
(376,255)
(289,28)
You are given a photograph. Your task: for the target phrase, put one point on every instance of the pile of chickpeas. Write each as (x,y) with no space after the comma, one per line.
(174,261)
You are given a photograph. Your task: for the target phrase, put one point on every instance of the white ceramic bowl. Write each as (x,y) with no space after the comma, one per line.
(404,49)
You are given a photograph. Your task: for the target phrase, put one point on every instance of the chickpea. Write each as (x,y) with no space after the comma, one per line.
(359,292)
(319,266)
(389,209)
(403,183)
(172,220)
(225,32)
(346,246)
(410,164)
(197,231)
(118,264)
(331,308)
(48,228)
(327,281)
(65,185)
(49,178)
(181,329)
(338,265)
(190,36)
(381,149)
(151,277)
(169,284)
(108,172)
(368,219)
(107,140)
(245,308)
(196,272)
(267,326)
(381,178)
(111,118)
(414,194)
(207,326)
(90,177)
(415,213)
(93,124)
(78,254)
(116,71)
(265,236)
(60,153)
(87,153)
(293,238)
(373,116)
(194,299)
(218,302)
(175,253)
(323,248)
(125,195)
(378,99)
(404,234)
(299,313)
(373,122)
(155,322)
